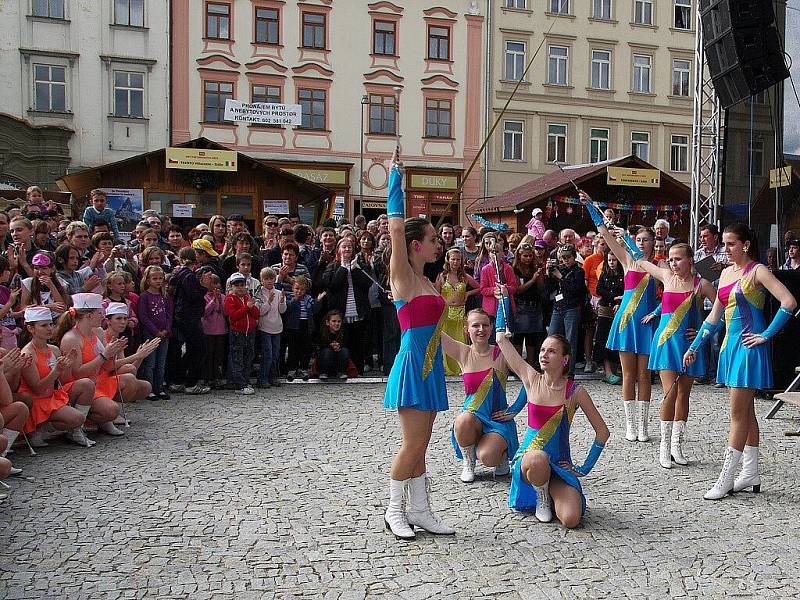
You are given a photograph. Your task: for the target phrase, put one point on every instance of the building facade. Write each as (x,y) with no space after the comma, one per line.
(85,84)
(368,76)
(611,78)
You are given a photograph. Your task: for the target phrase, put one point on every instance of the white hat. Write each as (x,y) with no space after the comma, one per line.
(536,211)
(116,308)
(34,314)
(87,301)
(237,278)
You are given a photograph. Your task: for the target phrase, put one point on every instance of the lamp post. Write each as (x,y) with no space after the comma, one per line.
(364,102)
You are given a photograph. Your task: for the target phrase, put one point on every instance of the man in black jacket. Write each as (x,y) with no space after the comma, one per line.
(566,286)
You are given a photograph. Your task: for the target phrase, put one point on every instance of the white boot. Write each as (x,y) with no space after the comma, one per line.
(666,440)
(630,423)
(676,445)
(724,484)
(109,428)
(395,517)
(77,435)
(544,509)
(11,435)
(419,512)
(504,468)
(749,475)
(467,464)
(644,419)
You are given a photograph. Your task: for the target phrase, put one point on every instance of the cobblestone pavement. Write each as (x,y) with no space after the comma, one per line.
(281,495)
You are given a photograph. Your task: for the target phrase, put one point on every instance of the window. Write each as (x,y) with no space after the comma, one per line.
(438,43)
(516,3)
(313,31)
(598,145)
(640,144)
(48,8)
(268,26)
(129,12)
(515,60)
(218,21)
(601,9)
(438,118)
(680,77)
(382,114)
(312,103)
(641,73)
(756,151)
(559,7)
(512,140)
(557,143)
(679,154)
(214,95)
(557,65)
(50,88)
(128,94)
(643,12)
(266,94)
(601,69)
(383,37)
(683,14)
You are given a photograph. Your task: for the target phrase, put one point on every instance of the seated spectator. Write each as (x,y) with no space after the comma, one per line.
(98,209)
(45,288)
(41,236)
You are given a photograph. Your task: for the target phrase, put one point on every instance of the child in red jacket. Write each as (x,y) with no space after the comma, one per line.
(243,313)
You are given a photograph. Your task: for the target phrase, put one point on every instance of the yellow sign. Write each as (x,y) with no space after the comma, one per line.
(634,177)
(434,182)
(321,176)
(201,159)
(780,177)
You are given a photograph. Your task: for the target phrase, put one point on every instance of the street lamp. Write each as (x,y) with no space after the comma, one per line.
(364,102)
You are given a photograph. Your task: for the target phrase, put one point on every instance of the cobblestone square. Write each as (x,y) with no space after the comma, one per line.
(282,495)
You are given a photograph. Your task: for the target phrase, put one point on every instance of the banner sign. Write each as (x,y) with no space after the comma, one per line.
(263,113)
(321,176)
(201,159)
(182,210)
(634,177)
(434,182)
(624,206)
(781,177)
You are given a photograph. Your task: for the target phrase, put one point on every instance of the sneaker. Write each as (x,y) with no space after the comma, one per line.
(719,385)
(303,374)
(198,389)
(589,367)
(290,376)
(342,376)
(163,396)
(15,471)
(612,379)
(110,429)
(78,436)
(323,376)
(152,397)
(246,391)
(177,388)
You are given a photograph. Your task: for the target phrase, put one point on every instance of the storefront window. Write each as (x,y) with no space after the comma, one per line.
(205,205)
(235,203)
(162,203)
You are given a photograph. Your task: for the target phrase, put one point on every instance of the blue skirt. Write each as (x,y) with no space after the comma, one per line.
(508,429)
(669,355)
(740,367)
(636,337)
(406,388)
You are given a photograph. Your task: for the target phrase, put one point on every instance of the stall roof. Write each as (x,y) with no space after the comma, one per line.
(82,182)
(557,182)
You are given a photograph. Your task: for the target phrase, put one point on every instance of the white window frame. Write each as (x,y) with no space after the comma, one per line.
(559,7)
(50,3)
(130,90)
(685,77)
(602,9)
(520,4)
(559,139)
(646,12)
(513,140)
(560,63)
(117,20)
(51,84)
(602,144)
(679,153)
(517,60)
(685,6)
(642,74)
(601,65)
(638,144)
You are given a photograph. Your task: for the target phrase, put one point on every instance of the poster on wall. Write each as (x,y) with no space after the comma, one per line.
(128,204)
(276,207)
(338,207)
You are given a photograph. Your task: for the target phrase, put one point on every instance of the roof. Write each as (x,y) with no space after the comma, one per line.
(559,182)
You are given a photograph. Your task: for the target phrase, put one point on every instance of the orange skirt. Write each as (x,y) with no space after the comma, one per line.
(105,386)
(42,408)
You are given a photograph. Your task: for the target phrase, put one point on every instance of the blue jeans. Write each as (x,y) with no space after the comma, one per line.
(567,323)
(153,365)
(331,362)
(270,348)
(241,347)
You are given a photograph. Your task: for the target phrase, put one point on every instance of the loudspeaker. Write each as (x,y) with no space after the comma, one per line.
(742,46)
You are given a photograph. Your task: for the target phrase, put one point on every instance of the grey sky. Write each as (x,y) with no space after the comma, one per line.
(791,126)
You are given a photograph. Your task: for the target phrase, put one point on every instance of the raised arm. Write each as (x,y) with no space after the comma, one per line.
(402,276)
(455,349)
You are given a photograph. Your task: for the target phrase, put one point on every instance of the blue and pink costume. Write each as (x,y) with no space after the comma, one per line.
(628,333)
(417,376)
(679,311)
(486,394)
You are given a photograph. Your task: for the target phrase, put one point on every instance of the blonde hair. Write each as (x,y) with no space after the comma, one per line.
(148,272)
(109,278)
(267,273)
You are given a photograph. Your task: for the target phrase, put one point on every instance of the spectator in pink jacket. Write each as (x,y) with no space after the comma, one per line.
(536,226)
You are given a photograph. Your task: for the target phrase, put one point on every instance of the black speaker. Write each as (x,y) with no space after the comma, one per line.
(743,48)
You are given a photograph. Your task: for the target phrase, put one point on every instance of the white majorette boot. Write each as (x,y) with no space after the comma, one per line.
(724,485)
(644,419)
(467,463)
(504,468)
(630,423)
(666,439)
(676,446)
(11,436)
(749,475)
(395,517)
(419,512)
(544,509)
(78,435)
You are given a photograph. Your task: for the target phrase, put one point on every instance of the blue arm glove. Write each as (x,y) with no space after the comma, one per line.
(522,400)
(591,459)
(595,214)
(778,321)
(500,324)
(395,202)
(632,248)
(657,311)
(706,331)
